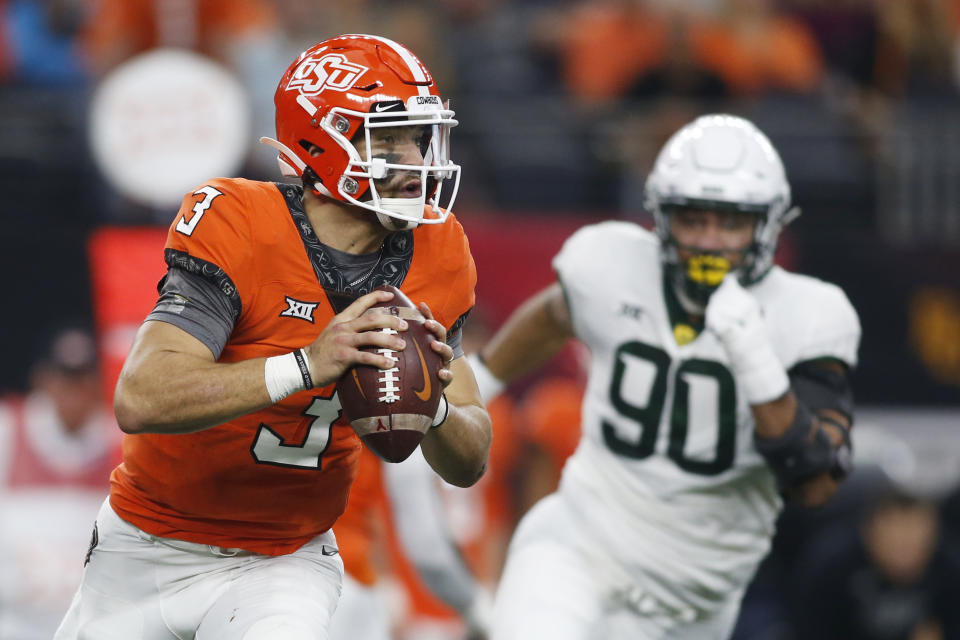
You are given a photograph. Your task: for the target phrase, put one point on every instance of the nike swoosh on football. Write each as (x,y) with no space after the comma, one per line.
(356,379)
(423,394)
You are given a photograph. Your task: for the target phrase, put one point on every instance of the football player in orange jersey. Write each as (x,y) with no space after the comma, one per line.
(237,461)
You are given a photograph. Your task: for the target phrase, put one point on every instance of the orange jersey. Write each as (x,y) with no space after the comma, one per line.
(271,480)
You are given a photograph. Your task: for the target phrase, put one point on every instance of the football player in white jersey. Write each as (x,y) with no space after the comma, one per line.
(718,386)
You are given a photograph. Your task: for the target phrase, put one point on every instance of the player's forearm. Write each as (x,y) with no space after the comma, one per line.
(775,417)
(181,393)
(458,449)
(535,332)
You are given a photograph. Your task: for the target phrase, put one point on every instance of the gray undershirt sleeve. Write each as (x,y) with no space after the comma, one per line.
(455,340)
(200,308)
(197,306)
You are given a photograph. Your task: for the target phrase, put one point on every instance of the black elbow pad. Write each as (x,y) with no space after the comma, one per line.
(798,454)
(819,387)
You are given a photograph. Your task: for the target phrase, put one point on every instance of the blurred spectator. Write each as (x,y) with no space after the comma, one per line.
(416,23)
(120,29)
(396,526)
(615,49)
(846,32)
(951,514)
(50,192)
(420,556)
(521,138)
(484,516)
(608,45)
(915,48)
(479,519)
(38,42)
(752,47)
(42,110)
(58,445)
(620,48)
(894,578)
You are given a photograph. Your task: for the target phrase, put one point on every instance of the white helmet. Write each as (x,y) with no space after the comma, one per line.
(720,162)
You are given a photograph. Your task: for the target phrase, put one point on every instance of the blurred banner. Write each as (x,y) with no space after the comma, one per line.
(166,120)
(125,264)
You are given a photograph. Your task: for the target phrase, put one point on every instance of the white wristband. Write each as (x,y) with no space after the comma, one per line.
(765,381)
(443,410)
(287,374)
(759,372)
(490,385)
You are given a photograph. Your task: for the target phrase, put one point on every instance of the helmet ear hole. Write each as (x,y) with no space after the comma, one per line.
(312,149)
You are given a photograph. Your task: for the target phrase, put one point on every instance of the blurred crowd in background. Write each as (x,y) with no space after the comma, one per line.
(562,105)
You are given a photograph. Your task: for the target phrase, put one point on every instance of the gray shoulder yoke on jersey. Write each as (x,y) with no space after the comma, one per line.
(196,305)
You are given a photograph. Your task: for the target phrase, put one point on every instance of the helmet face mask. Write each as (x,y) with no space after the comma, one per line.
(696,268)
(722,164)
(331,102)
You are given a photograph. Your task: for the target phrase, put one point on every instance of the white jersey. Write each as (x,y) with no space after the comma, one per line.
(666,475)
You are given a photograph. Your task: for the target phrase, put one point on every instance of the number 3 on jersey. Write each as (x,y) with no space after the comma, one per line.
(691,390)
(185,226)
(269,447)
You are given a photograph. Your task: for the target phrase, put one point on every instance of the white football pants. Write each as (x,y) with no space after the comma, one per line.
(141,587)
(555,587)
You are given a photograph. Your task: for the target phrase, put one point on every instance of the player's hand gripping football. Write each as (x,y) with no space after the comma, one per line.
(735,317)
(439,345)
(339,345)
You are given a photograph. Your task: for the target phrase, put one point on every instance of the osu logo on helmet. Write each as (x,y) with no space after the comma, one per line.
(332,71)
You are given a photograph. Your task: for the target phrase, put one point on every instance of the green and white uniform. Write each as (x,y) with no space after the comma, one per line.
(665,509)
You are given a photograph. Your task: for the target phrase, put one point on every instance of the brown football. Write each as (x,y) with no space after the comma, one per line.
(391,410)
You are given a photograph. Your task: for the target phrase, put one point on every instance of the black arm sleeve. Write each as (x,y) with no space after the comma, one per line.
(819,387)
(196,305)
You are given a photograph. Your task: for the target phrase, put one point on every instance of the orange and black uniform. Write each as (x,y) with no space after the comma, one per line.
(253,240)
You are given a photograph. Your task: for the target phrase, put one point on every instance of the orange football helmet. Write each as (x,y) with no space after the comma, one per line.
(343,88)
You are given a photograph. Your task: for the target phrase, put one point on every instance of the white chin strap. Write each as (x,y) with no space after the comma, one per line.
(407,207)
